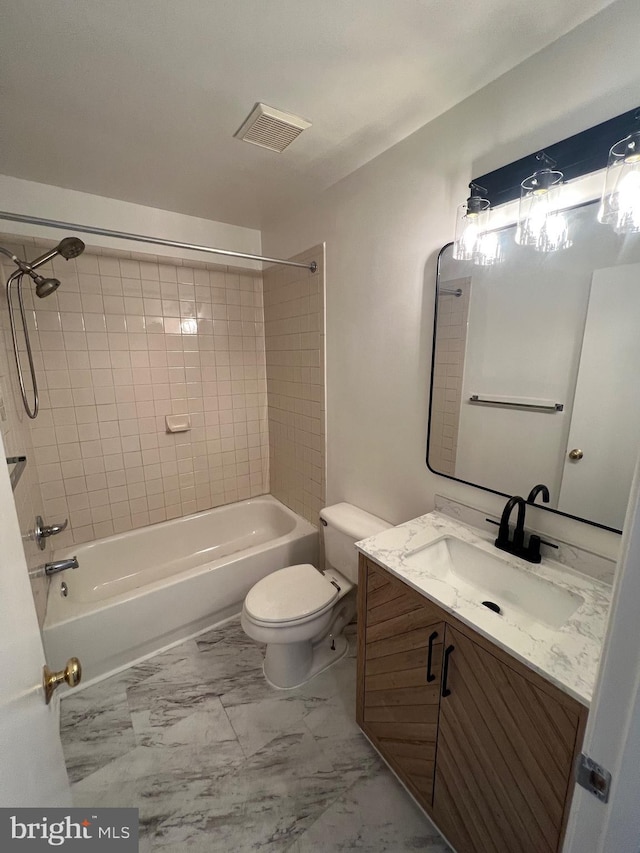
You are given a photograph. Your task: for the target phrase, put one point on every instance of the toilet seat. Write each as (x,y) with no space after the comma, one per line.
(290,595)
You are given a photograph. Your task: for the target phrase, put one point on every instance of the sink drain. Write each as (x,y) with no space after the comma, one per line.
(492,606)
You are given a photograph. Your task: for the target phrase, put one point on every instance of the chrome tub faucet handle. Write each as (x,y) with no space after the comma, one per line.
(42,531)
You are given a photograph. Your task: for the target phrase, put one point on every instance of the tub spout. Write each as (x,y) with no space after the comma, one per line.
(60,565)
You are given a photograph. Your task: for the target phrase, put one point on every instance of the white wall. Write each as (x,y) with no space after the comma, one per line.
(49,202)
(383,226)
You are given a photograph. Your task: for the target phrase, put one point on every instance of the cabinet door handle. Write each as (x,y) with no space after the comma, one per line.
(445,670)
(430,675)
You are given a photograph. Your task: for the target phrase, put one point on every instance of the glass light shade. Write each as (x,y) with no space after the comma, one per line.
(620,206)
(488,250)
(541,224)
(470,225)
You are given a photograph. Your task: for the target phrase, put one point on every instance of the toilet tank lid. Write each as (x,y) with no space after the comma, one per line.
(353,521)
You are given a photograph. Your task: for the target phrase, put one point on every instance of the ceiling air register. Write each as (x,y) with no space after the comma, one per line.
(271,128)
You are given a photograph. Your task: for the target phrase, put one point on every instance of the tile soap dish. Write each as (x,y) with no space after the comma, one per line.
(178,423)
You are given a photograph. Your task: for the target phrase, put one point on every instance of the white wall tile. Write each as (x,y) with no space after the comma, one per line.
(124,343)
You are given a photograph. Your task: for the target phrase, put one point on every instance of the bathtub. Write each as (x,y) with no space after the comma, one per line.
(138,592)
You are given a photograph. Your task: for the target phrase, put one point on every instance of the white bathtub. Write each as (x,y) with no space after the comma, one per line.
(141,591)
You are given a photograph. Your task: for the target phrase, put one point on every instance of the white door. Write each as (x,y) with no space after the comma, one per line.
(32,770)
(605,422)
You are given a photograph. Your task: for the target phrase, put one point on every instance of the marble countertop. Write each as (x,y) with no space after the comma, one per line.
(568,656)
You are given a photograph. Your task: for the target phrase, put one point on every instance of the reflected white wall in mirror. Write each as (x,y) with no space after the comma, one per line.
(535,331)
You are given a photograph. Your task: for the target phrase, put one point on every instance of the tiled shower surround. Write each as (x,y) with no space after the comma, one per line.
(123,343)
(295,339)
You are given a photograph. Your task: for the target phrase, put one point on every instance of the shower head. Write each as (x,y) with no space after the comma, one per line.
(68,248)
(45,286)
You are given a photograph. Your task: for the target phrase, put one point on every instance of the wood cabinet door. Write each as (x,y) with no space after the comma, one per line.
(400,663)
(505,753)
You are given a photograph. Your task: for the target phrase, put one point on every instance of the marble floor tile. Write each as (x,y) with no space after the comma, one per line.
(158,780)
(171,699)
(375,815)
(257,724)
(217,760)
(267,802)
(95,731)
(202,725)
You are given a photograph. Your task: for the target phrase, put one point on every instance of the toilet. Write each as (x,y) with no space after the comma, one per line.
(300,612)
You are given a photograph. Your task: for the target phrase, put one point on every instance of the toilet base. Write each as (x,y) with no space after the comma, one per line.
(292,664)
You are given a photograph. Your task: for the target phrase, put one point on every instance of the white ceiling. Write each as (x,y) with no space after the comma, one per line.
(139,99)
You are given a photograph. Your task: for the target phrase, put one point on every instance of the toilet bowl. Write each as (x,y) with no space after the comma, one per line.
(300,612)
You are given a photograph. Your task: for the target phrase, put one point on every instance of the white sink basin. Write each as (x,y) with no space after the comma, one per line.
(480,576)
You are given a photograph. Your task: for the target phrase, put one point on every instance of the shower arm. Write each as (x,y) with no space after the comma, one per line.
(31,412)
(23,266)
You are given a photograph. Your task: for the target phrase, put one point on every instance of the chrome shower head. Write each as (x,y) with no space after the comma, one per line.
(45,286)
(70,247)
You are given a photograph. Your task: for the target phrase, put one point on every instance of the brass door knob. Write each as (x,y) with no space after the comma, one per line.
(576,454)
(72,674)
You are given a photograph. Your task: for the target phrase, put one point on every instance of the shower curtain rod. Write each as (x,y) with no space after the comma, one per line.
(158,241)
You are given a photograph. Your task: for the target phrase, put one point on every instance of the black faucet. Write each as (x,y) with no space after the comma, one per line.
(536,490)
(504,542)
(516,545)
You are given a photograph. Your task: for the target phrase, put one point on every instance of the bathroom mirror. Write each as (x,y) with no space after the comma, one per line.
(534,372)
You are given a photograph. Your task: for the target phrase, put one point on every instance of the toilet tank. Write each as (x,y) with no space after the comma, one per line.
(343,525)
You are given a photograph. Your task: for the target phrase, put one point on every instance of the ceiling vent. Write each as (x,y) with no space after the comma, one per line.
(271,128)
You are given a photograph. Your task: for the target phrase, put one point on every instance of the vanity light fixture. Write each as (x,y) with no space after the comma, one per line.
(541,223)
(620,205)
(471,222)
(474,241)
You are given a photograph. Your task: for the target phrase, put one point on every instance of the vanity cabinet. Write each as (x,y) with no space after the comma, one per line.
(401,673)
(484,744)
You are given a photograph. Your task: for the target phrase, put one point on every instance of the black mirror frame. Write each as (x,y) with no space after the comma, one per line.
(431,378)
